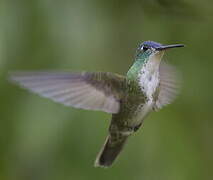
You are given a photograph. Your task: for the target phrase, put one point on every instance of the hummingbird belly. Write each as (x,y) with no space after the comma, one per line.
(140,114)
(129,120)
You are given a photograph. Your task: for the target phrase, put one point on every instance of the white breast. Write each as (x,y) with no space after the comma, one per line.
(148,81)
(149,77)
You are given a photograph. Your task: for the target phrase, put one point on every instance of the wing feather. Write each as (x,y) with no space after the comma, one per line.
(94,91)
(169,85)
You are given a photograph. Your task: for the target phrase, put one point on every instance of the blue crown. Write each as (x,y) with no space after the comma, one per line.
(151,44)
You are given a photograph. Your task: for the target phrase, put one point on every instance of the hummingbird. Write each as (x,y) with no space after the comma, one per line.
(149,85)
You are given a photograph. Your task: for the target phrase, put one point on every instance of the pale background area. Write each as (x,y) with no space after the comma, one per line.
(42,140)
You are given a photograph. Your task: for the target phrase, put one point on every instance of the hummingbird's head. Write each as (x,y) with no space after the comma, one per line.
(151,48)
(148,55)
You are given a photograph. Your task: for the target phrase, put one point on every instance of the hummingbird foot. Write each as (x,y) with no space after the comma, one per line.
(137,127)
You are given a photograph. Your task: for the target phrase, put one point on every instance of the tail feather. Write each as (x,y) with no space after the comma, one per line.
(110,150)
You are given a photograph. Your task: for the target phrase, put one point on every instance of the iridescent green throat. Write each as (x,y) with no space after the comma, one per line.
(141,59)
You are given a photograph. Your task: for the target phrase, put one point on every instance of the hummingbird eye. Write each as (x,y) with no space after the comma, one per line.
(144,48)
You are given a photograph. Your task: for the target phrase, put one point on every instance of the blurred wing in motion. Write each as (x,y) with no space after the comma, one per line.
(169,85)
(93,91)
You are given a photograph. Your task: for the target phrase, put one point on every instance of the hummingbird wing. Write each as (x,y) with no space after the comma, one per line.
(93,91)
(169,85)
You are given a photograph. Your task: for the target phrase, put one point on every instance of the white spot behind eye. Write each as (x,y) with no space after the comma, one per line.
(141,47)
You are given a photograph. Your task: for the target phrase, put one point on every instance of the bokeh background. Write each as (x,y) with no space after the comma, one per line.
(41,139)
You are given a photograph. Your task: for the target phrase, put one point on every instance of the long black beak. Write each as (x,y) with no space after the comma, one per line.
(164,47)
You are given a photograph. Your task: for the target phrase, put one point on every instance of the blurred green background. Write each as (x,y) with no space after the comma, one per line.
(44,140)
